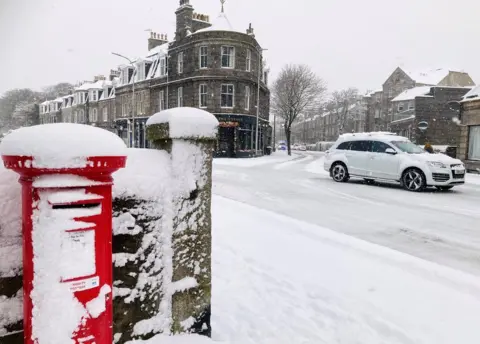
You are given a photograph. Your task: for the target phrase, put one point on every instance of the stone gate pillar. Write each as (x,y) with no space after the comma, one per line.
(189,136)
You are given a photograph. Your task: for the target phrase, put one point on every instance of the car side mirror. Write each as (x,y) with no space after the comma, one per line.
(390,151)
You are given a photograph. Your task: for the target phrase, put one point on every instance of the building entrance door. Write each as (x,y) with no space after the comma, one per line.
(226,142)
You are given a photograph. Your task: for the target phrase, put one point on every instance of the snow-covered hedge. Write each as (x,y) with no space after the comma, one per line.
(161,236)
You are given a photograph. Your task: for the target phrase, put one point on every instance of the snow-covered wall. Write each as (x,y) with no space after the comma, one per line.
(11,298)
(161,235)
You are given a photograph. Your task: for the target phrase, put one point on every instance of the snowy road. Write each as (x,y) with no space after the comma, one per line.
(441,227)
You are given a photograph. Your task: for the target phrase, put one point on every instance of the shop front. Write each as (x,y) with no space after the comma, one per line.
(237,136)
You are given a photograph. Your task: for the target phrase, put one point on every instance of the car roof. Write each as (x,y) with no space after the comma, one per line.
(378,135)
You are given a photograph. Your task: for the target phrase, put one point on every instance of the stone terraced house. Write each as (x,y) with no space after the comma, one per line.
(208,65)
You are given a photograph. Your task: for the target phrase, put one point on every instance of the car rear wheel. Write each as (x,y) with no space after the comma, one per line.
(340,173)
(444,188)
(414,180)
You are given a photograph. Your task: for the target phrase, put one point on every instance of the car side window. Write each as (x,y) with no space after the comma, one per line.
(379,147)
(344,146)
(361,146)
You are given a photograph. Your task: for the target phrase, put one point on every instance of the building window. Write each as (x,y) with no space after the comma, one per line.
(203,57)
(227,96)
(161,101)
(81,117)
(411,105)
(400,107)
(94,116)
(228,57)
(180,63)
(163,66)
(180,96)
(105,114)
(249,60)
(202,90)
(247,97)
(474,142)
(94,96)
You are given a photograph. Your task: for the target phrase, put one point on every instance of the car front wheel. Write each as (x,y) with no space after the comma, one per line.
(414,180)
(339,173)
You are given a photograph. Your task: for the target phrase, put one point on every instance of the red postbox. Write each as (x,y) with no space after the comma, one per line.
(67,250)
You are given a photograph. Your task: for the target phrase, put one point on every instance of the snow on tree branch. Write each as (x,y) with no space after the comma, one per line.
(297,90)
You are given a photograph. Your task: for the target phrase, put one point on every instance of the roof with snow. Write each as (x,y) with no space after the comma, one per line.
(412,93)
(158,50)
(221,23)
(473,94)
(430,76)
(84,87)
(369,94)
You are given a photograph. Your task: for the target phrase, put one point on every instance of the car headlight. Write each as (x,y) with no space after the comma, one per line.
(436,164)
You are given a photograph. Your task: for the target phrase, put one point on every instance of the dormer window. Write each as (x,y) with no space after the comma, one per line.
(140,67)
(94,95)
(163,66)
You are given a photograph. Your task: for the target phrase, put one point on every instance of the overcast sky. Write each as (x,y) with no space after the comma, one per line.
(348,42)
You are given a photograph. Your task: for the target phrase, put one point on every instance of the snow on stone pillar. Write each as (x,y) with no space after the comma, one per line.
(189,136)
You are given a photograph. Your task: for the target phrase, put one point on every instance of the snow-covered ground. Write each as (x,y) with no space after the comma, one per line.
(278,280)
(289,266)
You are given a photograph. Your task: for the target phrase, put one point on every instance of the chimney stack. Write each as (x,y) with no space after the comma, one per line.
(250,31)
(156,39)
(184,20)
(98,78)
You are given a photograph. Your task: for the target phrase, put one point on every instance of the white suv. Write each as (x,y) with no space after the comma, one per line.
(392,158)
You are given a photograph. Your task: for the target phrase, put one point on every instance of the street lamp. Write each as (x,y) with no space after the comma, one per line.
(260,60)
(134,108)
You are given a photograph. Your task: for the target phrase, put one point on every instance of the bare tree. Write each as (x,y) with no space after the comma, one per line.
(296,90)
(340,105)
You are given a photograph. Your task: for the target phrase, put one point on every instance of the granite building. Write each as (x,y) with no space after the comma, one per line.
(402,79)
(208,65)
(429,105)
(469,140)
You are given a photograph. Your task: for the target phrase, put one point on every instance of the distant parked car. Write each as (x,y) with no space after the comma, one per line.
(388,157)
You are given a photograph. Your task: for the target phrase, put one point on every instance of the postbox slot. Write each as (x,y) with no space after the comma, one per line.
(76,206)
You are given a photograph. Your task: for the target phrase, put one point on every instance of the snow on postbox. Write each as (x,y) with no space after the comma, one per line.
(66,176)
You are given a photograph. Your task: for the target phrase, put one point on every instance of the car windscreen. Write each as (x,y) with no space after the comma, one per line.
(408,147)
